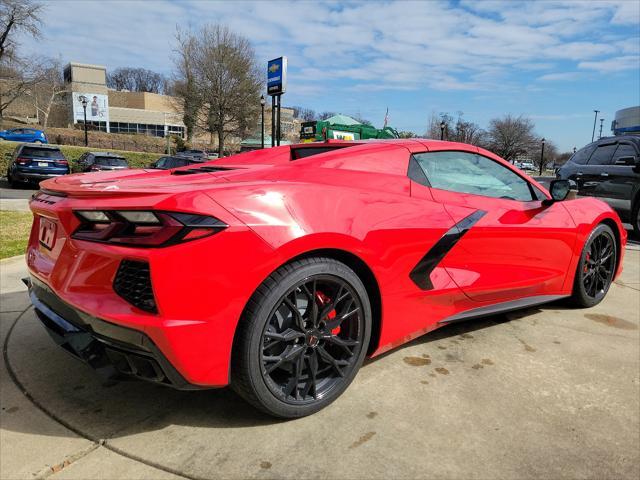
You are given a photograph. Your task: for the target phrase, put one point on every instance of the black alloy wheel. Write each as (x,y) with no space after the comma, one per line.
(596,267)
(302,338)
(312,339)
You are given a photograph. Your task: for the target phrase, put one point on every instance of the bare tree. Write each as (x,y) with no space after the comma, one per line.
(455,130)
(17,75)
(304,114)
(136,80)
(325,115)
(228,82)
(48,89)
(511,137)
(17,16)
(184,82)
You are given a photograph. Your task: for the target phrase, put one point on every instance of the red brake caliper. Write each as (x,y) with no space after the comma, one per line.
(585,269)
(323,300)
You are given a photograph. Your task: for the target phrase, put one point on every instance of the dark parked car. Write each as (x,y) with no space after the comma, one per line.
(166,163)
(609,169)
(32,162)
(202,155)
(97,161)
(30,135)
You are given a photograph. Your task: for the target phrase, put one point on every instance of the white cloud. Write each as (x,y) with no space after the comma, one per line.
(393,45)
(616,64)
(553,77)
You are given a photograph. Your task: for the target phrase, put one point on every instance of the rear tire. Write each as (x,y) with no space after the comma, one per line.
(596,268)
(10,181)
(302,338)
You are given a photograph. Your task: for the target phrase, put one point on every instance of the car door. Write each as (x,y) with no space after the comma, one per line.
(620,179)
(594,173)
(509,244)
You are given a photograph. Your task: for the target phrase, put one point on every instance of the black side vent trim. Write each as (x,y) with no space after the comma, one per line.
(421,273)
(133,283)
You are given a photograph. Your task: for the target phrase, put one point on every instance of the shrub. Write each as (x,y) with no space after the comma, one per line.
(135,159)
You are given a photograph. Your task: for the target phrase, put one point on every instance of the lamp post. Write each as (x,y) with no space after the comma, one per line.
(442,127)
(83,99)
(601,122)
(542,156)
(595,119)
(262,102)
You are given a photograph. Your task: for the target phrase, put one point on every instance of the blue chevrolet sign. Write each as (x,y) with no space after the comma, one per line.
(277,76)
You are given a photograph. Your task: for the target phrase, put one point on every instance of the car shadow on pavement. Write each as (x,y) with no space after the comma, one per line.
(73,394)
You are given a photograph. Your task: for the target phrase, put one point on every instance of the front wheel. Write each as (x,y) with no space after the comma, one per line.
(596,268)
(302,338)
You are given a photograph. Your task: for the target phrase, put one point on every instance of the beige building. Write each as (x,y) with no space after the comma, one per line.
(141,113)
(119,111)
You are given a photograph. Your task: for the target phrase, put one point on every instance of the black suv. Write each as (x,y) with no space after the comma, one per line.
(609,169)
(31,162)
(97,161)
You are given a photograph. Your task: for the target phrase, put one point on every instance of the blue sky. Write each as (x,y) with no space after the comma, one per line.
(554,61)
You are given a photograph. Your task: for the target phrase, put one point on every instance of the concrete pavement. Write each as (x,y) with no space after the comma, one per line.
(547,392)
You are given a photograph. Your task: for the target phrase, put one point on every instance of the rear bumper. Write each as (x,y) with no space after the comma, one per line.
(108,348)
(34,177)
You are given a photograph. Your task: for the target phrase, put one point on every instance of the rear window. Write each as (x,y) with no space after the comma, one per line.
(299,153)
(111,161)
(35,152)
(582,156)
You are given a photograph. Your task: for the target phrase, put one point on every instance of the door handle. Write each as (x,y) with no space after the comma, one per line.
(604,174)
(579,174)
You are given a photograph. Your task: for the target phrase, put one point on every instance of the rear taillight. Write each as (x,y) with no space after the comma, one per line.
(144,228)
(62,163)
(23,161)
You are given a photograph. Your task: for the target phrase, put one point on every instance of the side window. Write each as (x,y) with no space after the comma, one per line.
(416,173)
(470,173)
(603,155)
(581,157)
(625,155)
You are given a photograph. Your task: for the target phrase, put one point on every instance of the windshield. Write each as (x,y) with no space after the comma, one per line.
(35,152)
(111,161)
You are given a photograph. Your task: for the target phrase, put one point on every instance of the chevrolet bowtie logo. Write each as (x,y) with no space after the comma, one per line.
(274,67)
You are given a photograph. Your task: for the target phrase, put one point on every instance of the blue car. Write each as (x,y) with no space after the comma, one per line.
(32,162)
(30,135)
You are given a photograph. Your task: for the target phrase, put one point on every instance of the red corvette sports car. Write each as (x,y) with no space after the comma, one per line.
(277,271)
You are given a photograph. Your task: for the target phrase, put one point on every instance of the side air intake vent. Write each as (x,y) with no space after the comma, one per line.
(133,283)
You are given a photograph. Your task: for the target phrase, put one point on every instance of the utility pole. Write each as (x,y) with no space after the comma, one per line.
(601,122)
(595,119)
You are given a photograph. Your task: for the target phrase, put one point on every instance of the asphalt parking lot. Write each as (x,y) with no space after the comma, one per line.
(543,393)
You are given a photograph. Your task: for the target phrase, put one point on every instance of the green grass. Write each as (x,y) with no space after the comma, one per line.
(14,232)
(135,159)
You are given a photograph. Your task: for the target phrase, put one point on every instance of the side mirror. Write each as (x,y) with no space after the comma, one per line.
(559,190)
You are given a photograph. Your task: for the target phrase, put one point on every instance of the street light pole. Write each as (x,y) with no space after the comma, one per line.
(542,156)
(601,122)
(595,119)
(262,102)
(83,99)
(442,127)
